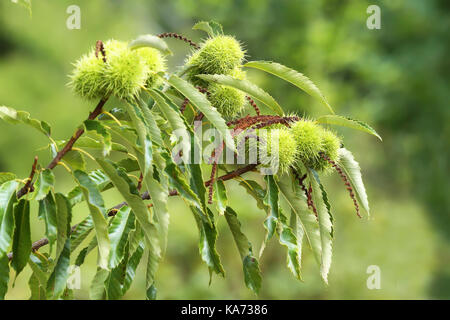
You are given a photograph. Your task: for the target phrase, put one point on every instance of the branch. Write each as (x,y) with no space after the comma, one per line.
(98,109)
(234,174)
(28,186)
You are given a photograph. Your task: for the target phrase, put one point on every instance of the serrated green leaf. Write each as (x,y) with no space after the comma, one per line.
(320,200)
(4,275)
(292,76)
(47,212)
(159,197)
(128,164)
(245,86)
(44,184)
(256,191)
(119,230)
(299,233)
(137,206)
(207,241)
(63,218)
(175,119)
(151,292)
(252,273)
(119,113)
(58,279)
(81,232)
(101,181)
(22,236)
(271,200)
(289,240)
(296,199)
(179,182)
(132,265)
(81,256)
(348,122)
(98,212)
(200,101)
(97,288)
(7,201)
(15,117)
(75,160)
(39,277)
(220,196)
(142,129)
(212,28)
(114,282)
(100,130)
(150,41)
(90,143)
(353,172)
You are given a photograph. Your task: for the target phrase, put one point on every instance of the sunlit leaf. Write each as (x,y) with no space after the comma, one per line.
(44,184)
(139,122)
(347,122)
(353,172)
(150,41)
(292,76)
(75,160)
(15,117)
(100,130)
(320,200)
(212,28)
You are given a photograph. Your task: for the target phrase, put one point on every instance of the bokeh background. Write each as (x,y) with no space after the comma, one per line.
(395,78)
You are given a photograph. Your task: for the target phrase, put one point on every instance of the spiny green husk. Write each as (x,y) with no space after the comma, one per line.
(123,74)
(287,147)
(228,101)
(156,63)
(313,139)
(218,55)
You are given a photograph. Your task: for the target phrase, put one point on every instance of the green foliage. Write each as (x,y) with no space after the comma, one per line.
(133,149)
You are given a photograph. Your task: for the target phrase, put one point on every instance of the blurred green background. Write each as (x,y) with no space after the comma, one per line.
(395,78)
